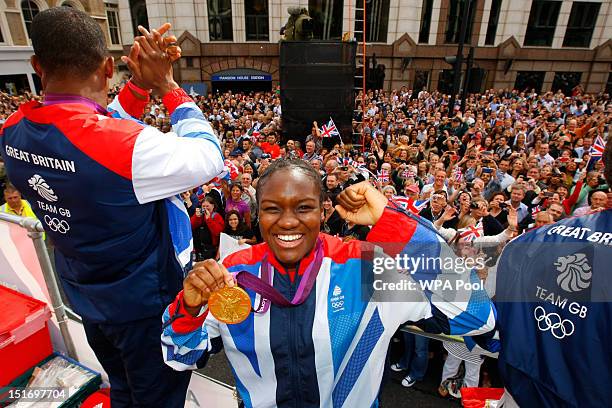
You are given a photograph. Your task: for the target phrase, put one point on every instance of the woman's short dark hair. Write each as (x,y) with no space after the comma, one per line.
(290,164)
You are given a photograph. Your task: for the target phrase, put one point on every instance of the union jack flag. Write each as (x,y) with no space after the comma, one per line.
(231,169)
(383,176)
(224,175)
(535,210)
(255,134)
(458,174)
(345,161)
(409,204)
(470,233)
(408,173)
(598,147)
(330,129)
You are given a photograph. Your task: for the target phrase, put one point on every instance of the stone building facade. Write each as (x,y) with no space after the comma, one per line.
(517,43)
(538,44)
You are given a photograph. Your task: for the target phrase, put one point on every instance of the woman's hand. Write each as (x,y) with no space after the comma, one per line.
(361,204)
(201,281)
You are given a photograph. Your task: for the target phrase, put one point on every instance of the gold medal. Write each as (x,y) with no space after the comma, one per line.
(230,305)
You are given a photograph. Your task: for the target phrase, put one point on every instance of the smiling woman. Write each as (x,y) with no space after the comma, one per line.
(293,349)
(290,212)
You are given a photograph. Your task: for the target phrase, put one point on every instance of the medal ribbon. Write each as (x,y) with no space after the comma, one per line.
(268,293)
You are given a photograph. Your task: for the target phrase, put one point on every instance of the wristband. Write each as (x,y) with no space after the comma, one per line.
(137,90)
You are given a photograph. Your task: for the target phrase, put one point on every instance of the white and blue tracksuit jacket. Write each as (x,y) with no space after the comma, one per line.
(330,350)
(100,185)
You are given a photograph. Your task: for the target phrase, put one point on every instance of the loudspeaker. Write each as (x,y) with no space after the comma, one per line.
(477,77)
(316,80)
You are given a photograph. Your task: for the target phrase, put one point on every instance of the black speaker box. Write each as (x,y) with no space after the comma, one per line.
(477,77)
(316,80)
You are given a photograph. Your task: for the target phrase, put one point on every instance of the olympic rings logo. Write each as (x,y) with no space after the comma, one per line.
(337,305)
(57,225)
(560,328)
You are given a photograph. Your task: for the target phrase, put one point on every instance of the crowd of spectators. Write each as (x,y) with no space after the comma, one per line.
(509,162)
(532,157)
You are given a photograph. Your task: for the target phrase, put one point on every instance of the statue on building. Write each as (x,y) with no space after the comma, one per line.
(299,27)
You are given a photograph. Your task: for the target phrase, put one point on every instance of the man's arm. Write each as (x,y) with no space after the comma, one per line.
(132,99)
(164,165)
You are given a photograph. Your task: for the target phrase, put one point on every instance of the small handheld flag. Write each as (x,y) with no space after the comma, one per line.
(470,233)
(383,176)
(535,210)
(598,147)
(409,204)
(330,129)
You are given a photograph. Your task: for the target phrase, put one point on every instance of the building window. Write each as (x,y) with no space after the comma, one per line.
(566,81)
(377,20)
(581,24)
(256,13)
(453,23)
(493,21)
(327,18)
(421,81)
(528,80)
(1,36)
(542,23)
(220,20)
(609,84)
(138,10)
(112,16)
(189,62)
(425,21)
(29,10)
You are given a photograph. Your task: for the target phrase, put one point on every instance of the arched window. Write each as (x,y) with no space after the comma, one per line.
(29,9)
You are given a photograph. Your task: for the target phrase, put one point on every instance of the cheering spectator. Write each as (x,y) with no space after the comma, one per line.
(598,200)
(436,207)
(235,202)
(437,185)
(516,201)
(236,228)
(270,146)
(332,222)
(206,224)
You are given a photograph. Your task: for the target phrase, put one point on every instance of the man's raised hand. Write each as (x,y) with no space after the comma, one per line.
(153,41)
